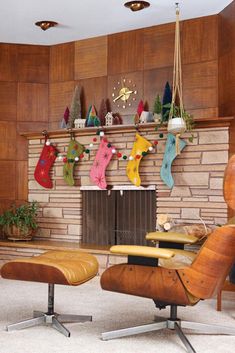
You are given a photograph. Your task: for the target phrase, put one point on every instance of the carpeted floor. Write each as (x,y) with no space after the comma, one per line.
(110,311)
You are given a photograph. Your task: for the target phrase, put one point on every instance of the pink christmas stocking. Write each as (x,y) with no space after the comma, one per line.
(46,160)
(102,159)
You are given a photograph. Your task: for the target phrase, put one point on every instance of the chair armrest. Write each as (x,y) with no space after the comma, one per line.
(146,251)
(172,237)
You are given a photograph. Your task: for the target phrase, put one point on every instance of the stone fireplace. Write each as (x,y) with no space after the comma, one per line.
(197,172)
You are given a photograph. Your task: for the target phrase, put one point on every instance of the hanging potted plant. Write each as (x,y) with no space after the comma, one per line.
(19,223)
(179,120)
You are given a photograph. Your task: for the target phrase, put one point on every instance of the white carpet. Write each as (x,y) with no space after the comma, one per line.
(110,311)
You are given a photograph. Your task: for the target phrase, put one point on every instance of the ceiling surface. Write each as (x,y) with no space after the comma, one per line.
(80,19)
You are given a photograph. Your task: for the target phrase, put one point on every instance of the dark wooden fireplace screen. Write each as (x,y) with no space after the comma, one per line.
(118,217)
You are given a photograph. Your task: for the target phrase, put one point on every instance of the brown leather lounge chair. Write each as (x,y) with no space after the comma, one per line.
(177,241)
(179,286)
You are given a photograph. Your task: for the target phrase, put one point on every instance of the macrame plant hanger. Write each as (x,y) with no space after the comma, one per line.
(177,125)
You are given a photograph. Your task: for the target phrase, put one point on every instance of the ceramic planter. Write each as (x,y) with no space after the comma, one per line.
(176,126)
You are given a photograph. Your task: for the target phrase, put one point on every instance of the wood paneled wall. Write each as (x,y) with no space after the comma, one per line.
(146,57)
(24,73)
(227,67)
(37,82)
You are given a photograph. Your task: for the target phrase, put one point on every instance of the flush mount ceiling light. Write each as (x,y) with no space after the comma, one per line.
(44,25)
(137,5)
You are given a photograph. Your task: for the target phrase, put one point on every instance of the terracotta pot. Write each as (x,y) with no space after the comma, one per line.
(15,233)
(176,126)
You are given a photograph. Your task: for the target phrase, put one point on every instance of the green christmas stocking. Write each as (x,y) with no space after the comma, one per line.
(169,156)
(75,149)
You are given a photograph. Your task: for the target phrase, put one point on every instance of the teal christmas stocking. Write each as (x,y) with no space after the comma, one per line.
(169,156)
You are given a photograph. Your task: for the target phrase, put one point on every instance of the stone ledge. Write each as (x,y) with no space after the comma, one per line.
(56,245)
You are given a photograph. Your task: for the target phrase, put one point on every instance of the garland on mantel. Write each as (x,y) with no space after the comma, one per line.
(74,154)
(101,134)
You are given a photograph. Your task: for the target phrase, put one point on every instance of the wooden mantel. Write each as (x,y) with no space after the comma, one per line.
(115,129)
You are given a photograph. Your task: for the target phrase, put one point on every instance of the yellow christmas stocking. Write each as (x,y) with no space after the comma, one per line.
(140,149)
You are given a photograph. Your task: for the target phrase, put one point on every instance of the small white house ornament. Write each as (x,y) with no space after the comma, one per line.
(109,119)
(79,123)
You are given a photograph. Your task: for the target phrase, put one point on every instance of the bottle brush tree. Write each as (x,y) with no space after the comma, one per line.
(75,109)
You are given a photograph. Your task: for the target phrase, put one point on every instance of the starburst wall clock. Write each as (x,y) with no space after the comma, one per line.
(124,93)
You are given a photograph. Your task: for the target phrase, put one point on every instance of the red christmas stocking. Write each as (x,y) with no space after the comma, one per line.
(102,159)
(46,160)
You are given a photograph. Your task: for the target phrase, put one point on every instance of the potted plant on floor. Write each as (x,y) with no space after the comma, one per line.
(19,222)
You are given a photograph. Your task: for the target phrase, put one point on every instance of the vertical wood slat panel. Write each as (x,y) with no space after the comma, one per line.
(62,62)
(91,58)
(33,63)
(32,102)
(125,52)
(8,62)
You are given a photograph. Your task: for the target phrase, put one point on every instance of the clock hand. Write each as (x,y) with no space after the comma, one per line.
(118,97)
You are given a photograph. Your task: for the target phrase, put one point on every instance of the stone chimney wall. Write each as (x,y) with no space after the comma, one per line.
(197,172)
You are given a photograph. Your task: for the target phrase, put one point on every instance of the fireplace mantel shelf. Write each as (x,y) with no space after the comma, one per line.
(115,129)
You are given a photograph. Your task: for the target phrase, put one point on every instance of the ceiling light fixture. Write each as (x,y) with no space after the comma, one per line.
(44,25)
(137,5)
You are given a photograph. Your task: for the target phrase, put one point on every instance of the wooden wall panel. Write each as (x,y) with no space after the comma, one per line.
(227,30)
(8,62)
(33,63)
(24,126)
(4,205)
(125,52)
(154,83)
(7,140)
(196,98)
(62,62)
(91,58)
(24,73)
(201,75)
(206,113)
(159,46)
(8,101)
(200,39)
(22,176)
(32,102)
(8,180)
(227,68)
(93,91)
(22,145)
(60,96)
(200,86)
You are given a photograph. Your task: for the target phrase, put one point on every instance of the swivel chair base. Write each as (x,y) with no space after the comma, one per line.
(173,324)
(50,317)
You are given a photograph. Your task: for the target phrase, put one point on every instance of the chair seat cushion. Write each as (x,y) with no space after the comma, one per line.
(58,267)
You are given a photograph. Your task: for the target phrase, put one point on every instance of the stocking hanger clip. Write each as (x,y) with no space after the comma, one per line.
(45,134)
(72,134)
